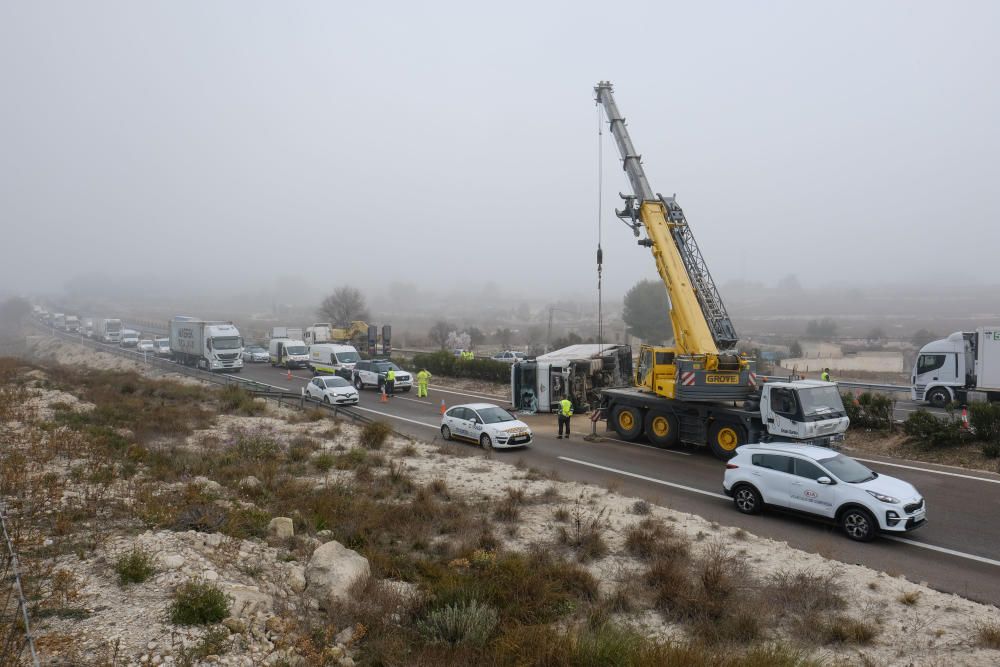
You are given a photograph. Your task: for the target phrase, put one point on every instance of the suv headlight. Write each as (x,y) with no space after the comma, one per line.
(883,498)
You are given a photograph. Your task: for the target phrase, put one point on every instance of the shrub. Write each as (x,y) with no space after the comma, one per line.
(463,623)
(201,517)
(254,447)
(869,410)
(650,538)
(445,363)
(984,418)
(373,435)
(509,509)
(198,603)
(234,398)
(324,461)
(846,630)
(804,593)
(585,535)
(641,508)
(930,431)
(134,566)
(988,635)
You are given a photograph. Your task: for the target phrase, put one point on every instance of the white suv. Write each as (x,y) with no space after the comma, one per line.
(824,484)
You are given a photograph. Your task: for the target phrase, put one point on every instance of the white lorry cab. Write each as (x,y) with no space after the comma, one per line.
(288,353)
(964,366)
(213,346)
(332,359)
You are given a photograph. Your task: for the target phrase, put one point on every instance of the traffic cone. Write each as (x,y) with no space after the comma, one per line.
(385,398)
(289,376)
(965,418)
(443,408)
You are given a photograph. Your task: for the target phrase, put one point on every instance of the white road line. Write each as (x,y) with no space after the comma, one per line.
(944,550)
(644,477)
(922,545)
(389,414)
(639,444)
(931,470)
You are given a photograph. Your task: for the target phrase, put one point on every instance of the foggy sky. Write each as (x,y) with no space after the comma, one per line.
(219,143)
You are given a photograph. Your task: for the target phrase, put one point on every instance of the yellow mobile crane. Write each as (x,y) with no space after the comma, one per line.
(689,392)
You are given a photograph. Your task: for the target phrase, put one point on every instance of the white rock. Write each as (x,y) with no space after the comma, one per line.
(281,527)
(344,636)
(151,645)
(250,482)
(297,578)
(157,659)
(144,658)
(247,600)
(170,561)
(332,571)
(208,485)
(210,575)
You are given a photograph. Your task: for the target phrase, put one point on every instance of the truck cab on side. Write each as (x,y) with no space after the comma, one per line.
(288,353)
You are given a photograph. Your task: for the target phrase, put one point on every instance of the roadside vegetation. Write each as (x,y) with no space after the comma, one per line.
(452,580)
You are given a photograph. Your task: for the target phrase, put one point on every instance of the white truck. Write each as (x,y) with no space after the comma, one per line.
(964,366)
(576,372)
(107,330)
(288,353)
(286,332)
(59,320)
(319,333)
(87,328)
(73,324)
(212,346)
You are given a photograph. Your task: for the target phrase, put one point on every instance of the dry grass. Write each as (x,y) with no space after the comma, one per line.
(909,598)
(988,635)
(585,534)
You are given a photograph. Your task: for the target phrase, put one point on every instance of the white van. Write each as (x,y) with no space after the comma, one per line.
(289,353)
(331,359)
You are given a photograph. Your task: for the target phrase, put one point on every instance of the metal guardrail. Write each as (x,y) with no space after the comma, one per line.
(888,388)
(15,625)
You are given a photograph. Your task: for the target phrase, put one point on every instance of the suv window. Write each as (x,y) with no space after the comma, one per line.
(808,470)
(362,366)
(773,462)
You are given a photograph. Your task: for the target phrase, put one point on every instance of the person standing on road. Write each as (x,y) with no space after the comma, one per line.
(422,377)
(825,375)
(390,382)
(565,412)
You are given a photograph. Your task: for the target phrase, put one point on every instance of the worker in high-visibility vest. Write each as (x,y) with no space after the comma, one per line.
(565,412)
(825,375)
(390,382)
(422,377)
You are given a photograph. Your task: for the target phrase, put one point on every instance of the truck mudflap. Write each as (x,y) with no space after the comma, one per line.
(695,383)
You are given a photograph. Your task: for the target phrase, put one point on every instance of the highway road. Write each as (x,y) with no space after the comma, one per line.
(957,551)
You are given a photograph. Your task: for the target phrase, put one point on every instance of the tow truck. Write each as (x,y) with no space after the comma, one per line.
(701,390)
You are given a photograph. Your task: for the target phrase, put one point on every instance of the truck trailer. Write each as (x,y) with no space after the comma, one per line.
(212,346)
(577,372)
(962,367)
(107,330)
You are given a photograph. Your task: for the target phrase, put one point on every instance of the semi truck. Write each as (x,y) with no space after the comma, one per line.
(59,320)
(962,367)
(701,390)
(324,332)
(209,345)
(73,324)
(87,328)
(577,372)
(286,332)
(108,330)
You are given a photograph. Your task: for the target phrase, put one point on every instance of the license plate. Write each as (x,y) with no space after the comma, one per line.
(919,516)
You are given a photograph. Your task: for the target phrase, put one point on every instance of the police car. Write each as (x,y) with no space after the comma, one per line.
(489,425)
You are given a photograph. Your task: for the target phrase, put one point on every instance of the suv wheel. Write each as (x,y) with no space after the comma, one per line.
(859,524)
(485,442)
(358,384)
(747,499)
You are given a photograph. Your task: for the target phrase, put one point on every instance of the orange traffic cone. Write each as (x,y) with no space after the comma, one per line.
(289,376)
(385,398)
(443,408)
(965,418)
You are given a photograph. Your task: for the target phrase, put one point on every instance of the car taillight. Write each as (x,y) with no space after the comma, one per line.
(731,466)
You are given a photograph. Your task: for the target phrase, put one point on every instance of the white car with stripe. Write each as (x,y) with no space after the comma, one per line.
(489,425)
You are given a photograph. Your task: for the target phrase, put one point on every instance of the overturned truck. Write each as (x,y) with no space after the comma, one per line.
(577,372)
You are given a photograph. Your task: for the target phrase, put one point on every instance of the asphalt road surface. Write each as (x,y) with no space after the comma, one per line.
(957,551)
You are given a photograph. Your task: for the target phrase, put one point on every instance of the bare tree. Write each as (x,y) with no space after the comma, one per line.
(439,333)
(345,305)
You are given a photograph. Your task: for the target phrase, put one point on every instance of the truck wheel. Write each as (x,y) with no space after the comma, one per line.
(661,428)
(939,397)
(724,437)
(627,422)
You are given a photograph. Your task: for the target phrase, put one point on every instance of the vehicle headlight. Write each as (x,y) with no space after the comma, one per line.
(882,497)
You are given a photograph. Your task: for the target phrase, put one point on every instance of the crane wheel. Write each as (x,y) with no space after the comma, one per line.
(661,428)
(725,437)
(627,422)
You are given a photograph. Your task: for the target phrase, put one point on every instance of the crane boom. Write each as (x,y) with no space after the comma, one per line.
(662,216)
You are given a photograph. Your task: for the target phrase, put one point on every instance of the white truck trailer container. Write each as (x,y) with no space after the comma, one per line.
(212,346)
(295,333)
(108,330)
(962,367)
(577,372)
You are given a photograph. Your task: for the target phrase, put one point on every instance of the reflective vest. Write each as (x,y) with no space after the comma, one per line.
(390,375)
(423,377)
(566,408)
(825,377)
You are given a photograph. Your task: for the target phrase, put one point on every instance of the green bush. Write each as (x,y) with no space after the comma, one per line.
(134,566)
(234,398)
(373,435)
(445,363)
(985,421)
(464,623)
(198,603)
(869,410)
(932,432)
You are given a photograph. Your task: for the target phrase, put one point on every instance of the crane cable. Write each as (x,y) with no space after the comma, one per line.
(600,225)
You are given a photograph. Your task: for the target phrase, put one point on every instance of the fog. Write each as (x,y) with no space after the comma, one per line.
(175,150)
